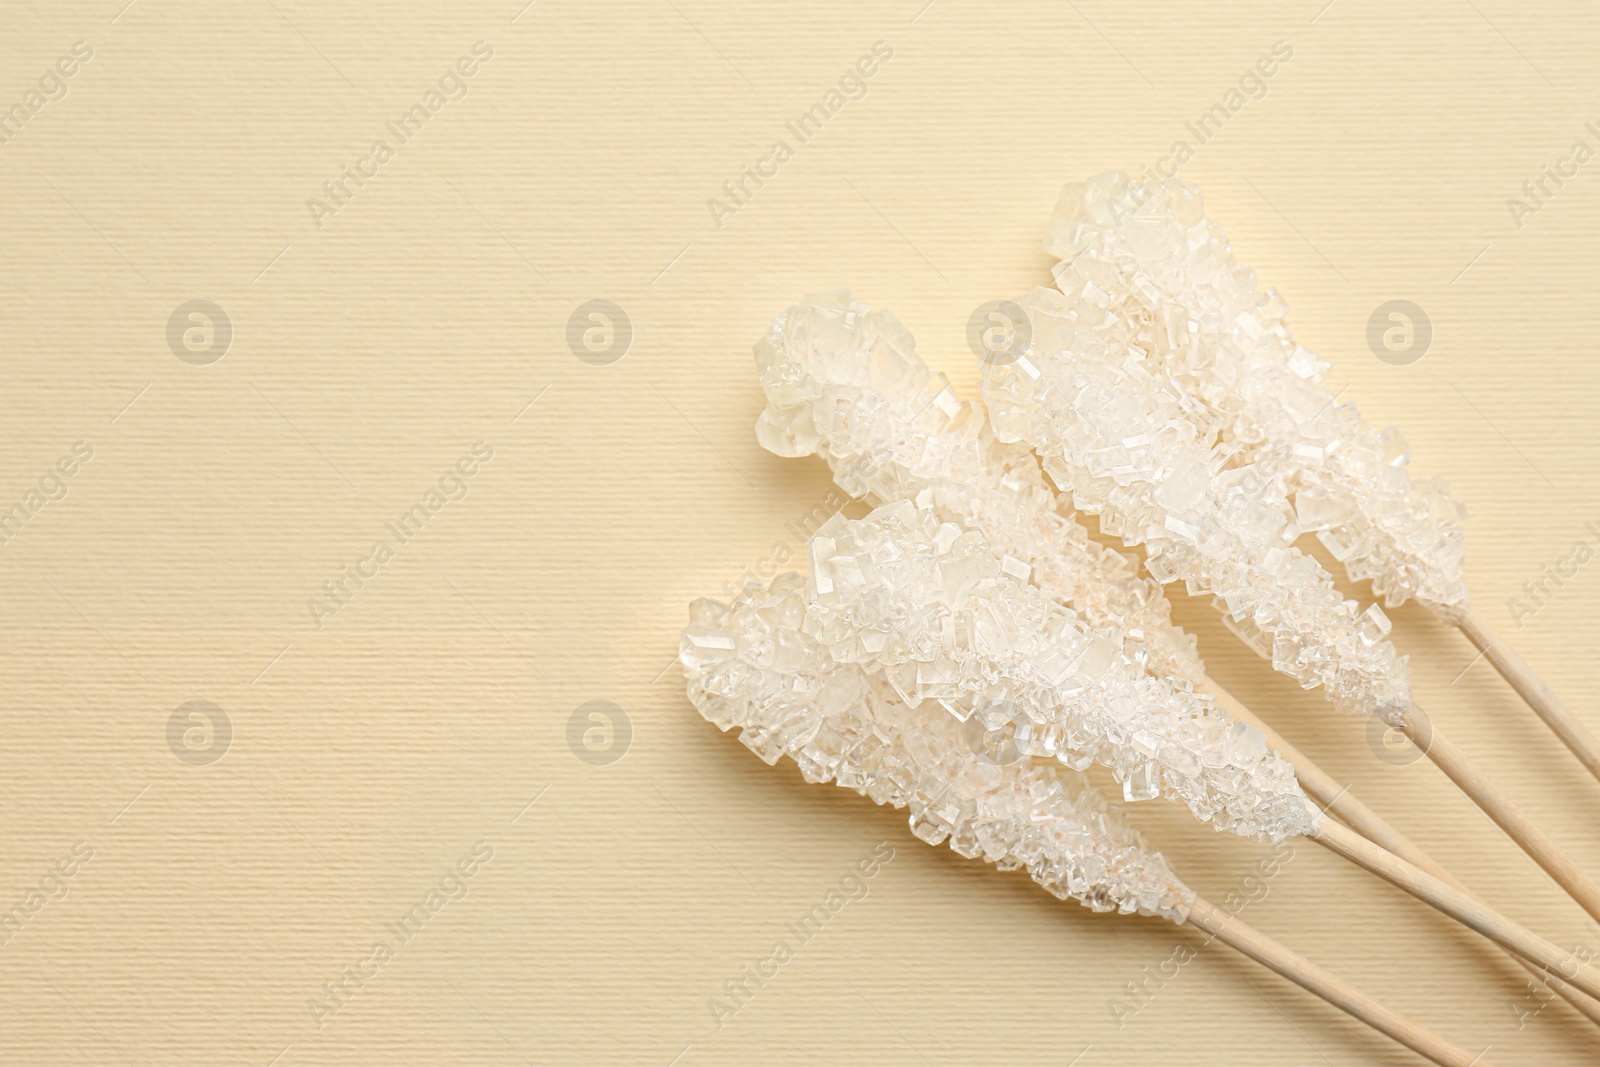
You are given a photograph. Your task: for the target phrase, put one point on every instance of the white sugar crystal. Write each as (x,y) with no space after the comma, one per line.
(841,724)
(888,441)
(1014,567)
(973,586)
(978,635)
(1140,784)
(1224,531)
(1259,393)
(1225,447)
(1373,626)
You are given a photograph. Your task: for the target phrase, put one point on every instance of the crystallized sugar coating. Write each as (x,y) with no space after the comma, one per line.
(945,619)
(749,665)
(1164,282)
(1135,447)
(845,382)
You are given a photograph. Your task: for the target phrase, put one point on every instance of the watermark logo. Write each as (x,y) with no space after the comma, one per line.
(199,332)
(50,87)
(739,191)
(1399,332)
(599,733)
(51,487)
(1138,993)
(454,84)
(741,988)
(1552,578)
(1538,191)
(1398,747)
(1538,993)
(998,733)
(406,525)
(352,979)
(998,331)
(199,733)
(50,887)
(599,332)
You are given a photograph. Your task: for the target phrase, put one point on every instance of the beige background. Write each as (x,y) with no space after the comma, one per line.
(369,354)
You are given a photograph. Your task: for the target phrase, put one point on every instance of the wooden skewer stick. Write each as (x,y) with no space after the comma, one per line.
(1461,906)
(1320,785)
(1534,692)
(1338,801)
(1469,911)
(1495,804)
(1340,994)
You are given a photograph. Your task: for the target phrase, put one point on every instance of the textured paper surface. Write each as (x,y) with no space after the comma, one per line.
(430,712)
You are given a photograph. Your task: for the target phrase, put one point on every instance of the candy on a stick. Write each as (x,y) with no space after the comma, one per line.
(1129,437)
(1149,249)
(749,666)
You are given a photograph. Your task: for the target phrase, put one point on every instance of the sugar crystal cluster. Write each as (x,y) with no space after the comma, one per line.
(944,618)
(751,665)
(1060,640)
(966,651)
(1133,444)
(1167,287)
(845,382)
